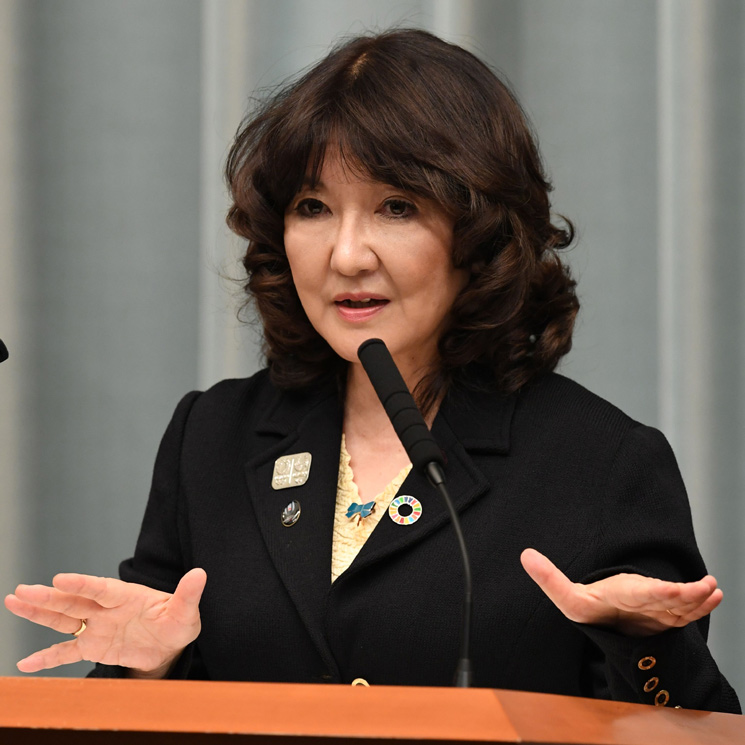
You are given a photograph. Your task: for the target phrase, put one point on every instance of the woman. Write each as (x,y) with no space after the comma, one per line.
(395,191)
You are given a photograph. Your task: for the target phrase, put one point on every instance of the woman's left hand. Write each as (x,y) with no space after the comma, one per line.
(629,603)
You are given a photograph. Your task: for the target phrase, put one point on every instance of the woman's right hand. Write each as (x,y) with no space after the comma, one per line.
(126,624)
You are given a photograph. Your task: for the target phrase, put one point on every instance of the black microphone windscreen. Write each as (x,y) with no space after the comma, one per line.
(399,404)
(3,351)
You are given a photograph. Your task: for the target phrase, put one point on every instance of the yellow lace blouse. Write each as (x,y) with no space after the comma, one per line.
(351,533)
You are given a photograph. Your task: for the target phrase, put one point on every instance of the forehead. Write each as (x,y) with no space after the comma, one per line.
(335,163)
(336,170)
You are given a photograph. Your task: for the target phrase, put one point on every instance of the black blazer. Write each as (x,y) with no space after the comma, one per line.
(553,467)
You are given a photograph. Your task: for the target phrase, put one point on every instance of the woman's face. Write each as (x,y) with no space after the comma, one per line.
(370,260)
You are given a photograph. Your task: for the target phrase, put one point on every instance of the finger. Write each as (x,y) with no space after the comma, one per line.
(57,621)
(696,593)
(683,593)
(708,603)
(636,593)
(184,604)
(685,615)
(51,599)
(106,591)
(64,653)
(707,606)
(557,586)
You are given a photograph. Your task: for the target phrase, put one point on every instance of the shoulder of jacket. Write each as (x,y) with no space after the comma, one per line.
(234,397)
(564,403)
(259,382)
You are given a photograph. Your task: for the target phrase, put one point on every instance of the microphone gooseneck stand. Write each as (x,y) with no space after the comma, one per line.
(426,457)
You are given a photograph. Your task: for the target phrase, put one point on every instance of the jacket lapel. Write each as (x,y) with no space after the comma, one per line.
(467,422)
(301,553)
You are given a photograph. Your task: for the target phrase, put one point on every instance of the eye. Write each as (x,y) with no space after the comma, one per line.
(398,208)
(310,207)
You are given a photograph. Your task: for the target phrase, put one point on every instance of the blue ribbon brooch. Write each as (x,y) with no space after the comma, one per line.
(360,510)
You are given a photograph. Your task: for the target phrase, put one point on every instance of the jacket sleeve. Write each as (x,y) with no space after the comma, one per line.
(162,555)
(645,528)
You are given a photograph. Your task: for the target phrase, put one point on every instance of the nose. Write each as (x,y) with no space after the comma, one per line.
(353,251)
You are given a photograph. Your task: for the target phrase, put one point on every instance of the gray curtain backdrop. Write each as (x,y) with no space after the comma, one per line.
(116,271)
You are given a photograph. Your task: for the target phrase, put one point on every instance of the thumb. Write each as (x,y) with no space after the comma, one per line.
(185,600)
(539,568)
(557,586)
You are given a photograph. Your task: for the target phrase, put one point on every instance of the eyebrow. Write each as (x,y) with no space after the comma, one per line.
(308,184)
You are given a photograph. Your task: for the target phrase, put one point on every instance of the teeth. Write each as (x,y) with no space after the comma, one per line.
(359,303)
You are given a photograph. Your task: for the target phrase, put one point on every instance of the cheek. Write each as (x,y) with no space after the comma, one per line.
(435,275)
(308,283)
(291,249)
(298,259)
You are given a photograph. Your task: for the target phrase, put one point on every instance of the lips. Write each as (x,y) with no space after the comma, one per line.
(359,307)
(368,303)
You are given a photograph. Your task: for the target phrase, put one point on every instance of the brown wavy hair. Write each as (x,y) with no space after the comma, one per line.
(413,111)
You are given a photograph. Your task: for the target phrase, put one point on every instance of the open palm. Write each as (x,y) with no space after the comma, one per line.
(127,624)
(629,603)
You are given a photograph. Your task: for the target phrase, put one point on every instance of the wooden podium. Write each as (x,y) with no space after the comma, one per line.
(62,711)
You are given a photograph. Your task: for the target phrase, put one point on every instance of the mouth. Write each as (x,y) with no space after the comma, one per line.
(358,307)
(369,302)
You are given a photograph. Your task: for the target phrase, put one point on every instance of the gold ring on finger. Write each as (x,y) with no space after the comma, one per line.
(83,626)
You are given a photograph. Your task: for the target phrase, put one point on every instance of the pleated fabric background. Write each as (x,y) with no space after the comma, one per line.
(116,270)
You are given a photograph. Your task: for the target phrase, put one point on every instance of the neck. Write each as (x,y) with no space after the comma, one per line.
(363,404)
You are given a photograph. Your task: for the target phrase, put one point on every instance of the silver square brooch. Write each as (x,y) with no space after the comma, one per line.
(291,470)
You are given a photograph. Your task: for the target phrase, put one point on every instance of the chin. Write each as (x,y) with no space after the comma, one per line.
(347,346)
(349,351)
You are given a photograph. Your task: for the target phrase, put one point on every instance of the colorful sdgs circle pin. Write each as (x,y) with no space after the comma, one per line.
(405,510)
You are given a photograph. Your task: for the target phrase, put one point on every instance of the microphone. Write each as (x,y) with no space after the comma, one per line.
(426,457)
(399,404)
(3,351)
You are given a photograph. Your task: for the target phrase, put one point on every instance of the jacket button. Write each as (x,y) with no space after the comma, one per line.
(661,698)
(647,663)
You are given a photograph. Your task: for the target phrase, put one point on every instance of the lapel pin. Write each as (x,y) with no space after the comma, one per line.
(405,510)
(291,470)
(360,510)
(291,514)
